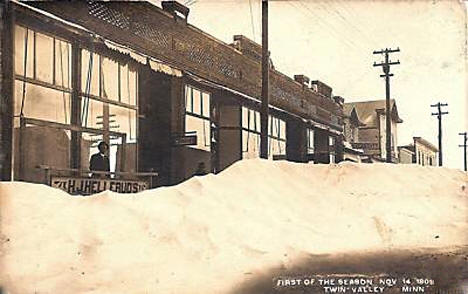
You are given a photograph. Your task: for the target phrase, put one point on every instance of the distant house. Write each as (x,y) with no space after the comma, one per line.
(365,128)
(351,125)
(420,152)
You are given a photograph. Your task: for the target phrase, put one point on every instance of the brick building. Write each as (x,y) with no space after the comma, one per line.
(166,96)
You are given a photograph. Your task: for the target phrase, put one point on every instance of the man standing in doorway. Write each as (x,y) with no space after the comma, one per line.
(100,160)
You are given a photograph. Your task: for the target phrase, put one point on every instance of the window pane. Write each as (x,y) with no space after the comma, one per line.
(123,120)
(257,121)
(91,113)
(202,128)
(196,101)
(36,149)
(124,84)
(206,104)
(133,89)
(20,37)
(44,57)
(283,129)
(310,135)
(245,121)
(62,63)
(250,145)
(89,73)
(245,143)
(188,99)
(109,79)
(42,103)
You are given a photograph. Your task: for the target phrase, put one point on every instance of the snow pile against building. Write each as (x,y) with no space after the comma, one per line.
(213,233)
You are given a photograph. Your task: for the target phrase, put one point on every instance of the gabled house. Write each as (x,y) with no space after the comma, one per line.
(371,134)
(351,125)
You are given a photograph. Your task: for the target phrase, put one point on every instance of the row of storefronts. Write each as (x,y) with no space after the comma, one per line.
(169,100)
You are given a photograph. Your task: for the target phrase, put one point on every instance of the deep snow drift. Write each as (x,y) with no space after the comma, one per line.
(214,233)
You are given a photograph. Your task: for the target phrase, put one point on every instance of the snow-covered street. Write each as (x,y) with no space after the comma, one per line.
(235,231)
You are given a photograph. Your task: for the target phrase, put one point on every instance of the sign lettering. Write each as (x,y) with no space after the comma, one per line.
(88,186)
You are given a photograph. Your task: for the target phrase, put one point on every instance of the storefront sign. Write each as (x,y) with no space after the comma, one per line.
(184,140)
(366,146)
(88,186)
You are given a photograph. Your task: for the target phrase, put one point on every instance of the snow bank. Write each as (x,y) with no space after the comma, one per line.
(212,233)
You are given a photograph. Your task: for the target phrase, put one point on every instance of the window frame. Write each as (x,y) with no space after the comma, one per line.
(205,144)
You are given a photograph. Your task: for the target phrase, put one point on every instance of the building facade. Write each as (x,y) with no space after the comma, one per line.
(164,95)
(421,152)
(366,128)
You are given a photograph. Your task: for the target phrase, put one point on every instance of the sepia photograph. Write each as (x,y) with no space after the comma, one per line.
(233,146)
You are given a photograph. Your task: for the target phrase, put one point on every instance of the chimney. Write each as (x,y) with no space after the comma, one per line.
(176,9)
(321,88)
(339,100)
(302,79)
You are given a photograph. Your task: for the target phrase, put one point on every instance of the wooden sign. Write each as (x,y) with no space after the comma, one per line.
(88,186)
(184,140)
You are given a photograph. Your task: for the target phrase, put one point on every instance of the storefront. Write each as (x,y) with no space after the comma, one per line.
(168,99)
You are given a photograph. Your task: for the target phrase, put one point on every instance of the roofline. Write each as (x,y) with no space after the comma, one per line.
(425,143)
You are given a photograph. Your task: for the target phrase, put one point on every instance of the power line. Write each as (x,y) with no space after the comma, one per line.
(348,23)
(322,23)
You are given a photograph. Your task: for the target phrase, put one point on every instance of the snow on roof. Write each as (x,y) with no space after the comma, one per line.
(206,234)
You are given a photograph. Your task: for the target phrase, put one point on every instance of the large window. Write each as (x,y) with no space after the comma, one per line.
(42,74)
(43,88)
(276,137)
(109,103)
(251,135)
(42,93)
(197,116)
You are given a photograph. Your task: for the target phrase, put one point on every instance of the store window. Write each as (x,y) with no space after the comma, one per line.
(250,133)
(42,76)
(276,136)
(109,103)
(42,103)
(197,116)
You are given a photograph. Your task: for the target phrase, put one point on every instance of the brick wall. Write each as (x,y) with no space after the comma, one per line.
(156,33)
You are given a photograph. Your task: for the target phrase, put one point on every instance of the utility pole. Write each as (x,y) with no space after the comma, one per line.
(465,140)
(386,69)
(439,114)
(265,83)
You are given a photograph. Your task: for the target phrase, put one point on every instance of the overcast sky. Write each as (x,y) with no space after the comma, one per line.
(333,41)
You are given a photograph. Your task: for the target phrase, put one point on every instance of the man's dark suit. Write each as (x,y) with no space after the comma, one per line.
(99,162)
